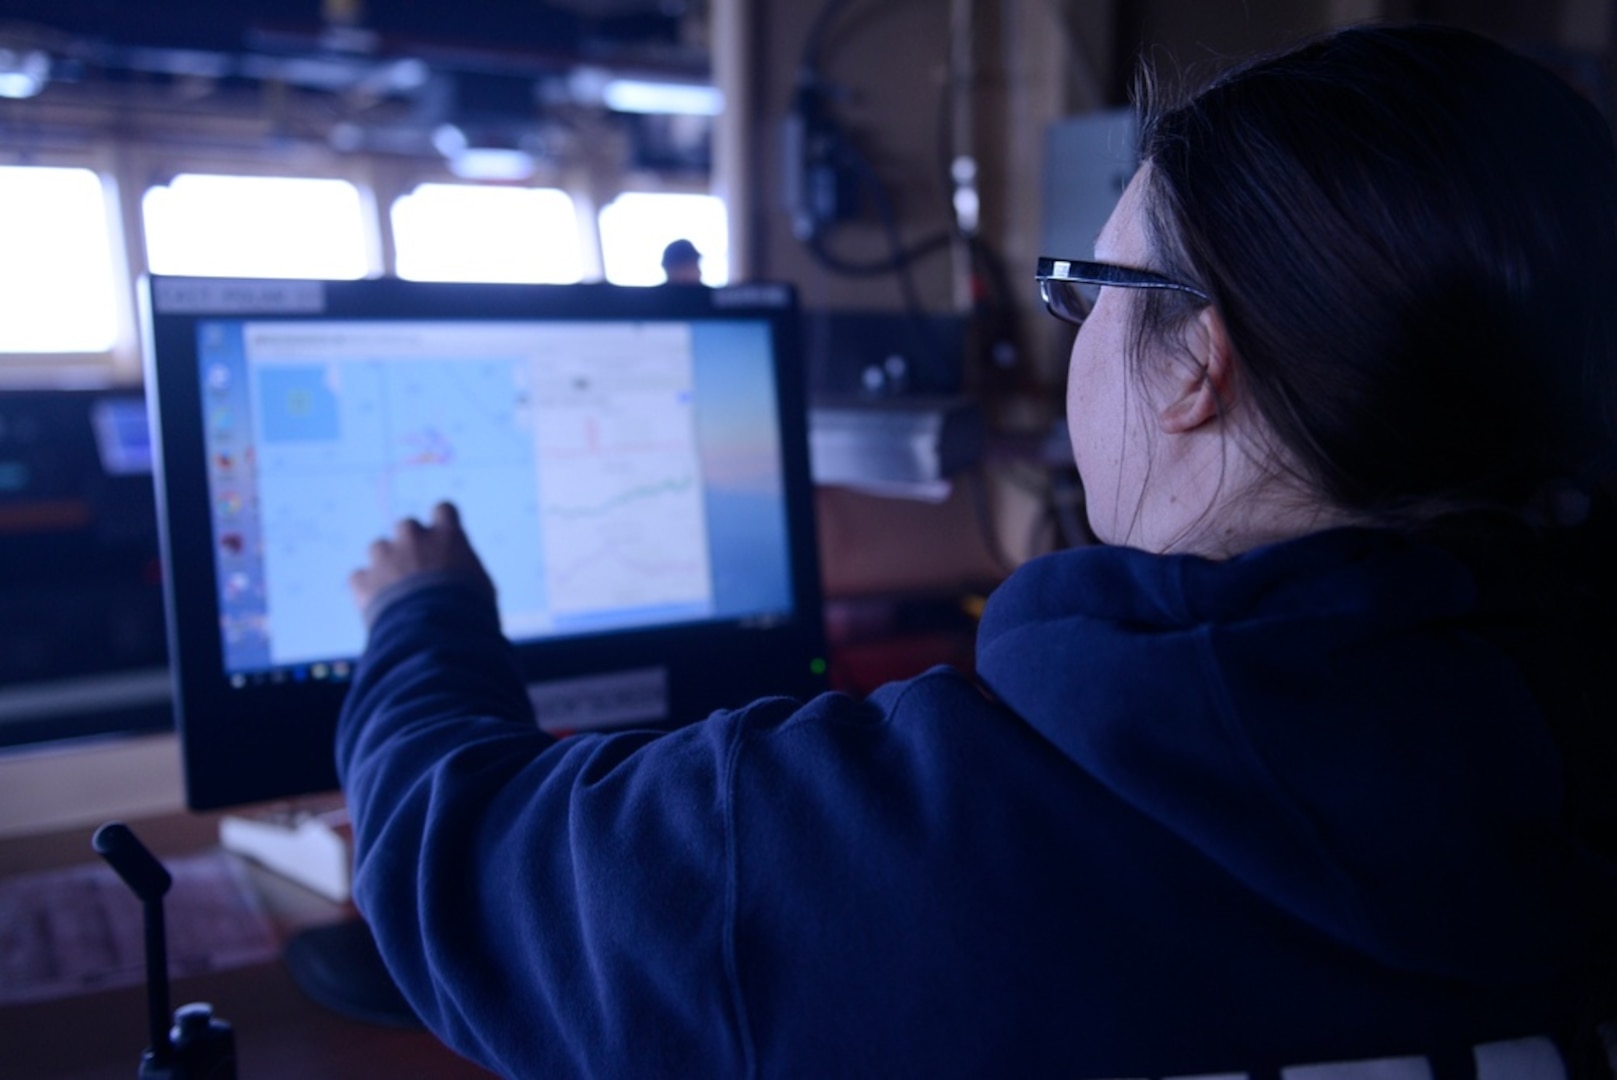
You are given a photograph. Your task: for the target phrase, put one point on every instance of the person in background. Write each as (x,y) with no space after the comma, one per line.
(682,263)
(1310,761)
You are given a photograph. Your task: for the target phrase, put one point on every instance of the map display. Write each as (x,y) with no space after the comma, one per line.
(621,486)
(571,451)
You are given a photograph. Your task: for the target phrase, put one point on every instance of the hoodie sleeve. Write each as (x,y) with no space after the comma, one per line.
(547,907)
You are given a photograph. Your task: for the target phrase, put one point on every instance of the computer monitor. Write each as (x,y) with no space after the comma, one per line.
(631,464)
(82,651)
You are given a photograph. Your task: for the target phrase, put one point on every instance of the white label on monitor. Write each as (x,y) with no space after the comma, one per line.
(752,295)
(636,696)
(223,296)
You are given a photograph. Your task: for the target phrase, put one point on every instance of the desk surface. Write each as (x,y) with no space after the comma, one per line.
(279,1032)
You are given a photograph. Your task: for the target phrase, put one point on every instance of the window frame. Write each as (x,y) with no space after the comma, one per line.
(643,183)
(129,157)
(121,363)
(165,168)
(587,239)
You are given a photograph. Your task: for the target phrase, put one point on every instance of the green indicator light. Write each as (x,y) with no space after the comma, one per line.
(817,665)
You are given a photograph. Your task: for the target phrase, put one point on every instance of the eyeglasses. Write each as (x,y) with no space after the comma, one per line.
(1069,286)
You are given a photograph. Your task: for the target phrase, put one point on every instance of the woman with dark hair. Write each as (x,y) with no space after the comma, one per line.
(1310,763)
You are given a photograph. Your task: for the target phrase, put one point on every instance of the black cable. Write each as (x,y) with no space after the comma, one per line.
(883,202)
(890,264)
(992,308)
(814,41)
(812,95)
(986,524)
(849,156)
(900,259)
(1043,523)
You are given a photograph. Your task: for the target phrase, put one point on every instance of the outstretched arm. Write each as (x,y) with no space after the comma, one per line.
(519,887)
(417,556)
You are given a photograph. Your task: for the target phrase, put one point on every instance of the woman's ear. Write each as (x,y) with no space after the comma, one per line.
(1203,392)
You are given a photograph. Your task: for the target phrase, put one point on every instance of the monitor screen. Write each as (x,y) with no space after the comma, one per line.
(631,465)
(82,649)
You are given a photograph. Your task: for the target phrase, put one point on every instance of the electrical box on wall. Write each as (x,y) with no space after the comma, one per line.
(1088,161)
(822,188)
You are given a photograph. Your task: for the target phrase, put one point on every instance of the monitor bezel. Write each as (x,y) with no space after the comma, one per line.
(252,744)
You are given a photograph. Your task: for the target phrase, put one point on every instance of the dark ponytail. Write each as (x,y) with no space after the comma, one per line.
(1411,234)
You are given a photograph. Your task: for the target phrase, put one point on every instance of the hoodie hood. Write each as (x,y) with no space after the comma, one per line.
(1329,721)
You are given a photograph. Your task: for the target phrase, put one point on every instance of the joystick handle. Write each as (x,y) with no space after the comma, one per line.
(145,875)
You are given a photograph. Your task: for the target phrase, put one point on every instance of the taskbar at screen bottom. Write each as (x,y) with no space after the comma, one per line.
(324,671)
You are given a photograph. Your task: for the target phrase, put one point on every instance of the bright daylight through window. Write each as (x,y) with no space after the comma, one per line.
(255,226)
(463,232)
(57,283)
(637,225)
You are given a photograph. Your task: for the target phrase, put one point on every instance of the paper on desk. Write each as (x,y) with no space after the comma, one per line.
(81,929)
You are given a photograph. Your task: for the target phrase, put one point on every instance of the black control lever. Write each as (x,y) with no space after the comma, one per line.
(200,1046)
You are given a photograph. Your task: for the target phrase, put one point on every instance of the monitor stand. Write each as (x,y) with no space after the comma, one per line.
(337,966)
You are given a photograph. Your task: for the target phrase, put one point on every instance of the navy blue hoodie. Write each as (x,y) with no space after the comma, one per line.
(1302,805)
